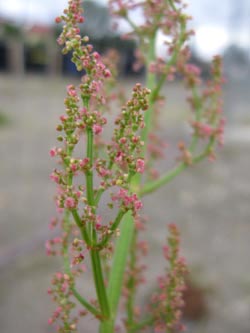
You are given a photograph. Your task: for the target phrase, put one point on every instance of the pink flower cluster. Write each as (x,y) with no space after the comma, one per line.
(68,198)
(83,57)
(117,166)
(210,124)
(127,146)
(61,293)
(168,301)
(140,165)
(127,201)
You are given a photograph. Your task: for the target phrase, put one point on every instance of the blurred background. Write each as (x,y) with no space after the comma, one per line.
(210,202)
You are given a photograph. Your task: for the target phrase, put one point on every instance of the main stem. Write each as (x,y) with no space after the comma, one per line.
(127,231)
(131,285)
(94,254)
(117,271)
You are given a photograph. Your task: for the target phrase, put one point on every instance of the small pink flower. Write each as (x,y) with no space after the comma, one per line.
(100,66)
(63,118)
(96,55)
(71,90)
(140,165)
(83,162)
(78,194)
(138,205)
(74,167)
(83,111)
(104,172)
(97,129)
(53,223)
(81,19)
(98,226)
(53,152)
(205,129)
(123,140)
(119,156)
(59,210)
(54,177)
(58,19)
(48,248)
(192,69)
(59,309)
(50,321)
(70,203)
(57,240)
(95,86)
(59,275)
(107,73)
(166,252)
(49,291)
(98,223)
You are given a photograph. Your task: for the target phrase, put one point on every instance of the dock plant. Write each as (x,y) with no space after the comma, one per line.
(109,168)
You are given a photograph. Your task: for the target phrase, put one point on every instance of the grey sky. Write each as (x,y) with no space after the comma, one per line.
(217,22)
(203,11)
(42,11)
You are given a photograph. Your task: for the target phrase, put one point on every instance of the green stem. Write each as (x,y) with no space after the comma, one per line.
(198,113)
(90,183)
(154,185)
(119,261)
(172,5)
(133,26)
(112,229)
(131,282)
(80,225)
(67,269)
(94,254)
(123,244)
(98,196)
(142,325)
(99,283)
(171,62)
(170,175)
(205,152)
(86,304)
(117,271)
(65,250)
(89,173)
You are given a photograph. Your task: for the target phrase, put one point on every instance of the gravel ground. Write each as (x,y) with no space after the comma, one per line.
(210,203)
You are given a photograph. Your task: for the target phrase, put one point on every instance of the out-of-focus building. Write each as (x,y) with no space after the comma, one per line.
(26,48)
(11,47)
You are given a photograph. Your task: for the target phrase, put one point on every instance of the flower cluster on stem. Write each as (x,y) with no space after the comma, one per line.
(89,167)
(168,301)
(78,194)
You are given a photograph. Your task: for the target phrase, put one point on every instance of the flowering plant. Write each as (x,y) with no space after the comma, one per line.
(120,171)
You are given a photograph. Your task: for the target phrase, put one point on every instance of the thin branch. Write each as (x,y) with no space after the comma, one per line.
(141,325)
(86,304)
(112,229)
(80,225)
(170,175)
(154,185)
(172,60)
